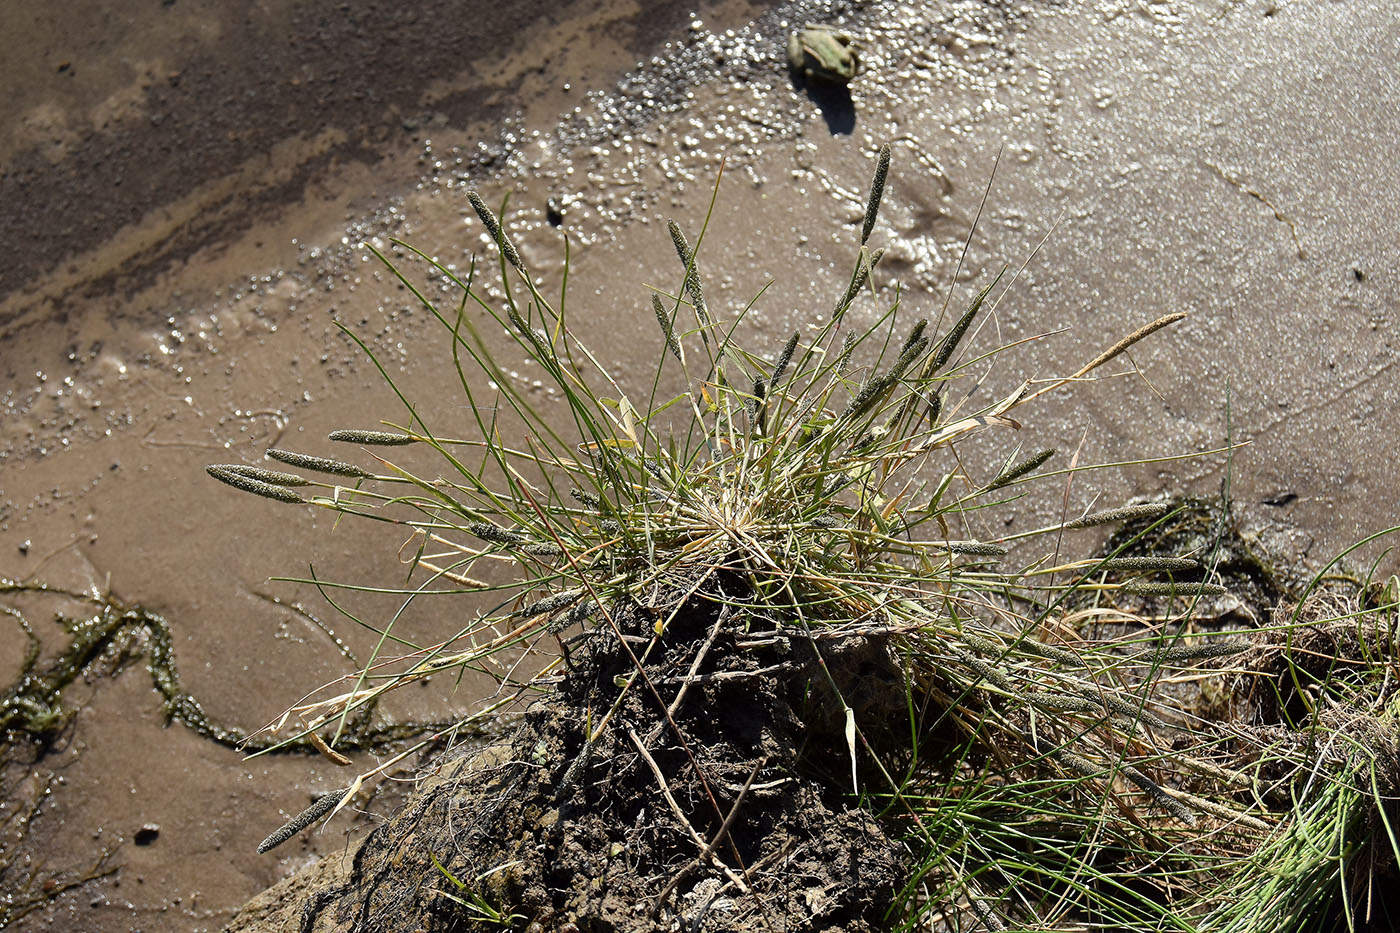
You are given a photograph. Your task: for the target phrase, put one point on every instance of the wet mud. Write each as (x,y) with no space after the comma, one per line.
(216,117)
(178,266)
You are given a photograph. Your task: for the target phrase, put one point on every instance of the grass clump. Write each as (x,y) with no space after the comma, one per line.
(796,525)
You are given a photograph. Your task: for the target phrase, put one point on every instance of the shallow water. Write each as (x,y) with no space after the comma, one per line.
(1231,160)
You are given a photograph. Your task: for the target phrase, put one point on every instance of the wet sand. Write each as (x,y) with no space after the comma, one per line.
(1232,161)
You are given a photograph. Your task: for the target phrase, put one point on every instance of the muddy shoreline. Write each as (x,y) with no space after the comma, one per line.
(1184,159)
(216,117)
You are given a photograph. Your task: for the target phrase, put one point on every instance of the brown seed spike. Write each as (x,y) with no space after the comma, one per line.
(1125,513)
(784,358)
(955,336)
(372,438)
(915,334)
(1011,474)
(1184,590)
(935,408)
(1167,564)
(319,464)
(667,330)
(843,360)
(257,487)
(275,477)
(692,276)
(877,191)
(1129,340)
(858,279)
(493,227)
(302,820)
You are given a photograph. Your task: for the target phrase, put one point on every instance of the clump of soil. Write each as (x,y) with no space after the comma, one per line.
(716,794)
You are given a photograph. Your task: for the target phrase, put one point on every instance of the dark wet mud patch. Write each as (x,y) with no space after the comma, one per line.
(716,802)
(1202,529)
(28,888)
(289,93)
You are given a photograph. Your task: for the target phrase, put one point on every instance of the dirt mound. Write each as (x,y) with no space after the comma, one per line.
(714,795)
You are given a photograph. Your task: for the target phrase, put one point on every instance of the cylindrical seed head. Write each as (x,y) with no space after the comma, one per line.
(877,191)
(256,487)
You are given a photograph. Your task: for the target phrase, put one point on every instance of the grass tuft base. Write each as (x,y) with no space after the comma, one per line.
(553,832)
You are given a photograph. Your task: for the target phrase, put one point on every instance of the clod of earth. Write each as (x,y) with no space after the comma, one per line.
(725,810)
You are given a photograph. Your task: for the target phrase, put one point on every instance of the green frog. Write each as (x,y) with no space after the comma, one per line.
(821,53)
